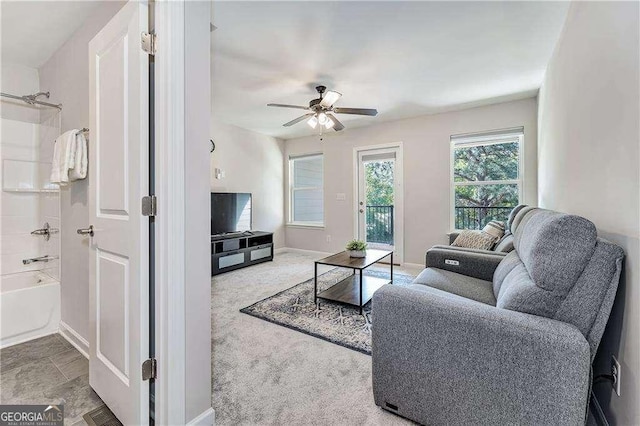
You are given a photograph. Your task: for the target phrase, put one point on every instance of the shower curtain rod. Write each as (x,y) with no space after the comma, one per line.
(31,99)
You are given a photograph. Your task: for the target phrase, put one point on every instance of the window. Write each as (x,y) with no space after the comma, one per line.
(306,204)
(486,174)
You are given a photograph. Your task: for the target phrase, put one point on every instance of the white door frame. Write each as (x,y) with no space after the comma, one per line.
(169,184)
(398,193)
(171,174)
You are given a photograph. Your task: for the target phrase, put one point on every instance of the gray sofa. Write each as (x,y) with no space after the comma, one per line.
(505,245)
(456,348)
(473,262)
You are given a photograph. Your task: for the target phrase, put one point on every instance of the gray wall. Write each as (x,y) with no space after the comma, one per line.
(426,172)
(589,164)
(252,162)
(66,75)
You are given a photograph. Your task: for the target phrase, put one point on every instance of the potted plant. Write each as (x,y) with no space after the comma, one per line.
(356,248)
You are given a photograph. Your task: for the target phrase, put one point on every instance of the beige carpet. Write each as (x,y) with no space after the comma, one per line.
(267,374)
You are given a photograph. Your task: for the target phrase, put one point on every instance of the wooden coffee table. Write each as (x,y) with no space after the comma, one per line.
(356,289)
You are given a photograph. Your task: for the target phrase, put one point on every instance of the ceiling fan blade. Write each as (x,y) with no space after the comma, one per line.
(299,119)
(330,98)
(356,111)
(337,125)
(288,106)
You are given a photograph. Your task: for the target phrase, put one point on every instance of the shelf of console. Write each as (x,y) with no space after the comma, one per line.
(231,252)
(348,290)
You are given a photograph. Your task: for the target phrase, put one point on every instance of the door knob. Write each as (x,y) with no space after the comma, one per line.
(361,211)
(86,231)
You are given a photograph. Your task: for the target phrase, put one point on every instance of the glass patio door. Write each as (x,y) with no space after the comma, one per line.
(377,202)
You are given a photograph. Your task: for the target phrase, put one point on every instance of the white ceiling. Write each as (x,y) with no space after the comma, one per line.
(403,58)
(33,30)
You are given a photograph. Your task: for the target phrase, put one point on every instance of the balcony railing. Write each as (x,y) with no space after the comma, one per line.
(380,224)
(478,217)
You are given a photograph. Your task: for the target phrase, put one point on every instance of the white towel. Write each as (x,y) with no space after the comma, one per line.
(69,161)
(62,150)
(79,169)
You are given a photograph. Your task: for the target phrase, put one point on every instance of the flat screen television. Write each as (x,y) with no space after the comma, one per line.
(230,212)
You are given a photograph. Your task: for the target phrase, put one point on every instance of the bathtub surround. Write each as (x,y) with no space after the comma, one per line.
(30,292)
(19,213)
(28,200)
(589,165)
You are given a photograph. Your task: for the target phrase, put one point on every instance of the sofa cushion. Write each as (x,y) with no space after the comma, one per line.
(554,247)
(519,292)
(507,265)
(461,285)
(512,216)
(551,251)
(514,222)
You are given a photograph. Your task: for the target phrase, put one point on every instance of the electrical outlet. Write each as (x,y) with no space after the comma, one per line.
(616,373)
(328,238)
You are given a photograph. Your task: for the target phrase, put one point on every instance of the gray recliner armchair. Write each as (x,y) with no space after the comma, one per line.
(456,348)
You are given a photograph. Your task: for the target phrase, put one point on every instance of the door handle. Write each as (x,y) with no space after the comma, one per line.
(86,231)
(361,211)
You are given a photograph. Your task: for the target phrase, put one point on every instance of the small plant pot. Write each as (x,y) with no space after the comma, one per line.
(357,253)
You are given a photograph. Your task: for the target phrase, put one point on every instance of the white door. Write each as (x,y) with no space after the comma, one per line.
(119,278)
(379,200)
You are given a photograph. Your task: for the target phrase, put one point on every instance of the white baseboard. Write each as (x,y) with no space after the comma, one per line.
(302,251)
(599,412)
(72,336)
(207,417)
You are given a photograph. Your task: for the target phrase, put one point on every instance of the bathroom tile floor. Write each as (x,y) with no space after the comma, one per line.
(48,370)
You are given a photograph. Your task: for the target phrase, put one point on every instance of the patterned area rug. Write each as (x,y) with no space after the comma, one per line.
(335,322)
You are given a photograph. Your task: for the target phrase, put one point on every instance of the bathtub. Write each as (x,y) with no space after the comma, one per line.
(29,307)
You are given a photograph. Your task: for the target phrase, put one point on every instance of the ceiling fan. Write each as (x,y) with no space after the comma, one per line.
(322,110)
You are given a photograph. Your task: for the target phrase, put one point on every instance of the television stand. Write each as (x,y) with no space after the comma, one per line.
(239,250)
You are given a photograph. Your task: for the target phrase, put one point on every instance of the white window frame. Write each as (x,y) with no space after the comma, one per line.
(293,189)
(480,139)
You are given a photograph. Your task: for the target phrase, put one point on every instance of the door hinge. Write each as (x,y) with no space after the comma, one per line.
(149,41)
(149,369)
(149,205)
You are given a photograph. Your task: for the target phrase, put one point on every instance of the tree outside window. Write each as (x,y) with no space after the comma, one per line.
(486,181)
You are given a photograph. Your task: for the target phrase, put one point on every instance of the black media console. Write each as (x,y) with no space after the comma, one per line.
(239,249)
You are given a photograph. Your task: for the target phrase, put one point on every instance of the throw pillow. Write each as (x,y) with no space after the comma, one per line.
(494,228)
(474,239)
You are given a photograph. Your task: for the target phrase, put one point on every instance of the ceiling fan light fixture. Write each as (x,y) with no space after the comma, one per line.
(329,124)
(330,98)
(322,118)
(313,122)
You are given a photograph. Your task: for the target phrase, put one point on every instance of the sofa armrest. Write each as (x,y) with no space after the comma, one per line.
(473,263)
(444,359)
